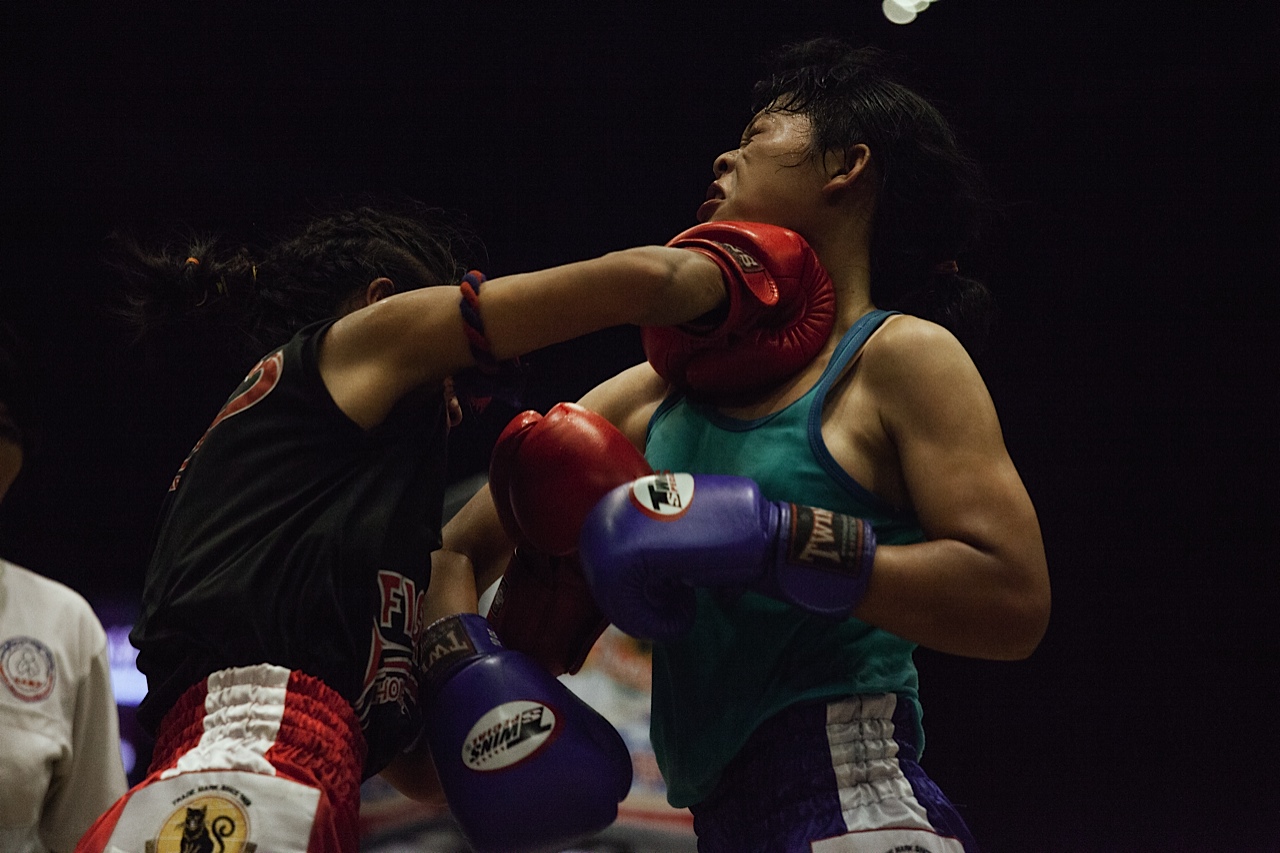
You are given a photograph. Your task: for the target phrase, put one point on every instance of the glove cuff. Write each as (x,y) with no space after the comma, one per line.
(451,642)
(824,559)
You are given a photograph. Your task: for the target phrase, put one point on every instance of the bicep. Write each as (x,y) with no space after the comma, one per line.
(978,585)
(960,478)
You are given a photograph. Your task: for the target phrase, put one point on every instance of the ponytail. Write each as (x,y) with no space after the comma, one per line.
(249,299)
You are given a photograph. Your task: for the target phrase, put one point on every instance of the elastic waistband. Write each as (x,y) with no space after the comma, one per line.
(873,718)
(265,719)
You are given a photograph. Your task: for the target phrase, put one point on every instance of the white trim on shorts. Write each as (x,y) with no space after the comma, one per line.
(242,713)
(877,802)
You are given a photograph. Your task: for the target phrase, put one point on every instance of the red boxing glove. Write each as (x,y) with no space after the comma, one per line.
(782,308)
(544,608)
(546,474)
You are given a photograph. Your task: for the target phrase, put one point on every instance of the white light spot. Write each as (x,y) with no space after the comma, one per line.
(896,13)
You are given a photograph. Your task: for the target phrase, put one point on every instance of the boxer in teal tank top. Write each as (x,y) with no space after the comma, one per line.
(800,714)
(749,657)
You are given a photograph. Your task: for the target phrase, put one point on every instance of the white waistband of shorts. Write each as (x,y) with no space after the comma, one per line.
(243,708)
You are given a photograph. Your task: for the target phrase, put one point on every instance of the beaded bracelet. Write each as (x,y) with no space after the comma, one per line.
(481,349)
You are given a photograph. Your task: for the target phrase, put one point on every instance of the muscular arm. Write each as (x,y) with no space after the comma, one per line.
(372,357)
(980,585)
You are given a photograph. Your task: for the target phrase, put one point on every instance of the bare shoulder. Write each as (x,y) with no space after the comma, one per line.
(905,345)
(628,400)
(918,369)
(373,356)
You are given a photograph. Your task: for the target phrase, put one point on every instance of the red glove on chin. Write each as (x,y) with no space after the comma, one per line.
(781,310)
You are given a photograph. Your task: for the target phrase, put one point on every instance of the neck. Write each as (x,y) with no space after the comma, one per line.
(848,263)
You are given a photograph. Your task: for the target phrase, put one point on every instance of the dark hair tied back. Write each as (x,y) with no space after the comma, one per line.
(931,197)
(251,298)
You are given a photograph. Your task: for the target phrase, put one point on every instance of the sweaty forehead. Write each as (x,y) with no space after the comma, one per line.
(779,121)
(760,120)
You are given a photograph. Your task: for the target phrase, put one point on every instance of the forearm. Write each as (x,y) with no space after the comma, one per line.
(477,535)
(647,285)
(370,358)
(953,597)
(453,586)
(414,775)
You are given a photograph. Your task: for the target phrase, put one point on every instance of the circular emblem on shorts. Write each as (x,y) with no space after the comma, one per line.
(27,668)
(206,823)
(508,734)
(663,496)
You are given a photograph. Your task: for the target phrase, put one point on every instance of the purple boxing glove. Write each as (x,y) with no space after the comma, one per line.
(646,544)
(524,763)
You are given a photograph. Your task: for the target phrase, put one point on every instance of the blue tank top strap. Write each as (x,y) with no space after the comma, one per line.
(668,402)
(848,347)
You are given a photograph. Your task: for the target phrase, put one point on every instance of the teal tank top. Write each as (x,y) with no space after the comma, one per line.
(749,657)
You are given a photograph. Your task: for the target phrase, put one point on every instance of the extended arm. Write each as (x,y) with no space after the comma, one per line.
(372,357)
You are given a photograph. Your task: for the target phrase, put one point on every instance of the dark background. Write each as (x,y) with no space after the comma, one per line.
(1135,370)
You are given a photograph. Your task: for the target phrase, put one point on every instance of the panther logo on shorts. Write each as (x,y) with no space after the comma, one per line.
(209,823)
(27,668)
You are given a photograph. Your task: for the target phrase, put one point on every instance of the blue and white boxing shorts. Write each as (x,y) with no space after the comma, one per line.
(838,777)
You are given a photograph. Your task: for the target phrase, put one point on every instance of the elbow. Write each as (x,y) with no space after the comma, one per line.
(1024,625)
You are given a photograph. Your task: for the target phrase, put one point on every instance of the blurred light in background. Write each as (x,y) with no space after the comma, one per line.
(903,11)
(128,685)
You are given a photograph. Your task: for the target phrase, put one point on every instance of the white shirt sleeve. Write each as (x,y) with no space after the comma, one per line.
(60,763)
(92,777)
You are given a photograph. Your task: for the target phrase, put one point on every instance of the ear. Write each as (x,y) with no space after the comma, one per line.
(848,167)
(379,288)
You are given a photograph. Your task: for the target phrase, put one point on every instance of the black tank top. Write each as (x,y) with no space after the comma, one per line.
(292,536)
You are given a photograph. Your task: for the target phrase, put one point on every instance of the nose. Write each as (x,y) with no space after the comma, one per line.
(724,163)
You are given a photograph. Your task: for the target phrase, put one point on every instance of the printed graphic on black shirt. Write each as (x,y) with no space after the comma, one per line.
(259,382)
(391,674)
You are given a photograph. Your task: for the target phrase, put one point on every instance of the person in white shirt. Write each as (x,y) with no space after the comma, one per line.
(60,762)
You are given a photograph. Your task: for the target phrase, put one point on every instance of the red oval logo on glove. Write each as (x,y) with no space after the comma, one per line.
(663,496)
(508,734)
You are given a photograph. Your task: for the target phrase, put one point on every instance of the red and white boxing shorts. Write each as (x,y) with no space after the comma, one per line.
(255,758)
